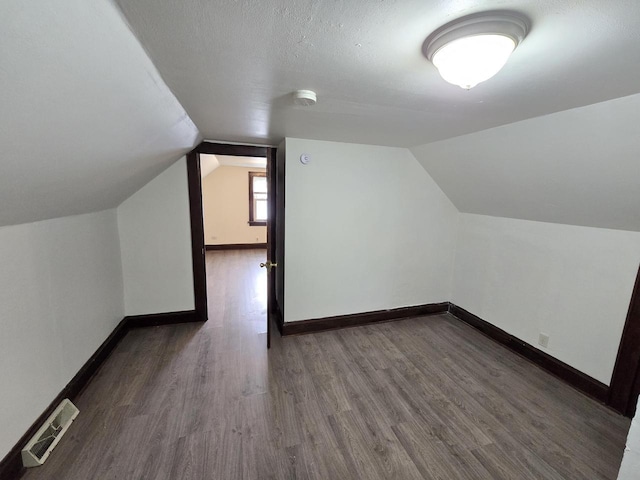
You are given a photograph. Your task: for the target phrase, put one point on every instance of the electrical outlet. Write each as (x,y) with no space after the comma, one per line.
(543,340)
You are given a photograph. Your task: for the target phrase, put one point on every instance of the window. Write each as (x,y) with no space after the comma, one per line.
(257,198)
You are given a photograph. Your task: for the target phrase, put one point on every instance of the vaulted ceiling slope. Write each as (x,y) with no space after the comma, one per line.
(578,167)
(85,119)
(233,65)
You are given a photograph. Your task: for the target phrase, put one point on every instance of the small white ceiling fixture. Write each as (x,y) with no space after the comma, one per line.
(305,98)
(474,48)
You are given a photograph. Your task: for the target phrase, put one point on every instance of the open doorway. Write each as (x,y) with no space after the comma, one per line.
(234,207)
(232,196)
(234,202)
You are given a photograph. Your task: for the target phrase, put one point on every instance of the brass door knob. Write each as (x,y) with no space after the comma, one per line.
(269,265)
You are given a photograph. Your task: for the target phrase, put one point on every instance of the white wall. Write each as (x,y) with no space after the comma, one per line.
(366,229)
(573,283)
(155,240)
(225,203)
(631,460)
(61,295)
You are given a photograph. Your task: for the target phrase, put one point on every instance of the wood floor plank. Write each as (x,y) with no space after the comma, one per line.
(423,398)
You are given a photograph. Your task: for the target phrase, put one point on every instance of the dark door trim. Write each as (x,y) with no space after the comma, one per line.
(278,248)
(197,235)
(271,240)
(195,210)
(626,373)
(226,149)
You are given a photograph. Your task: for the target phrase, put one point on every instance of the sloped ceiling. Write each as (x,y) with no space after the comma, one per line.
(208,163)
(234,64)
(578,167)
(85,119)
(236,161)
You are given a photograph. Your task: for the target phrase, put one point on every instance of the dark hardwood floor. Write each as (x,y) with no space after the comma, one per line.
(425,398)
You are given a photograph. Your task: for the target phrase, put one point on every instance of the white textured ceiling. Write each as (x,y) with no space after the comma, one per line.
(578,167)
(85,118)
(233,65)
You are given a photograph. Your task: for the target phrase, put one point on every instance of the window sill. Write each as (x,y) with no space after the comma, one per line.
(258,224)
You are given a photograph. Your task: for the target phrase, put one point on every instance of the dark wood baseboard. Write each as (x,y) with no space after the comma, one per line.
(156,319)
(356,319)
(236,246)
(11,465)
(573,377)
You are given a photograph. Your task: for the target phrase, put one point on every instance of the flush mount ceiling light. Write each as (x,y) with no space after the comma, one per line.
(474,48)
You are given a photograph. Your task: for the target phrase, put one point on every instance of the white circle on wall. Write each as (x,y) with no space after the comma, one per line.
(305,158)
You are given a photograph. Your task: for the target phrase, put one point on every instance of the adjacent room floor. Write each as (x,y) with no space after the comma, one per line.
(420,398)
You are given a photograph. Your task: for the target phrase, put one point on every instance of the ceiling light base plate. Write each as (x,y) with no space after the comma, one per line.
(509,24)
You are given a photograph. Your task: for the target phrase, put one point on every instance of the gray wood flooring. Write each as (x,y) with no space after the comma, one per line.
(424,398)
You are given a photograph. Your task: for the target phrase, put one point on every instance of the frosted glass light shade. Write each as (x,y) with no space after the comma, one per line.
(470,60)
